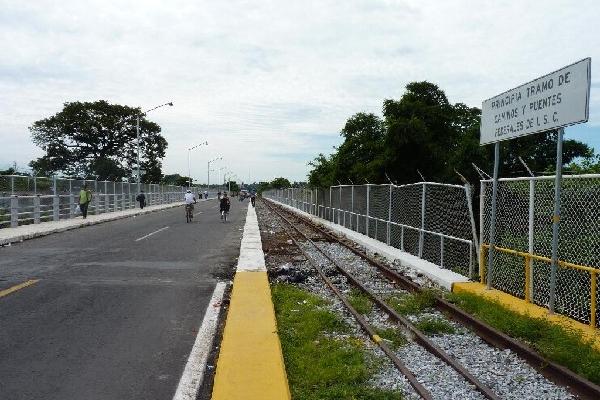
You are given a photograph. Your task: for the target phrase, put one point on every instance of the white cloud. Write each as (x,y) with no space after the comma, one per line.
(263,79)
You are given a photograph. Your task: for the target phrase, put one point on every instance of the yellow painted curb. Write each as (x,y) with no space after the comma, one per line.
(520,306)
(250,364)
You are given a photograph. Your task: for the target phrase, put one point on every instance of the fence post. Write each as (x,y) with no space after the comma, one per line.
(36,209)
(469,195)
(421,233)
(12,185)
(96,200)
(389,223)
(442,252)
(352,208)
(115,204)
(14,211)
(593,291)
(55,207)
(481,258)
(529,266)
(330,206)
(71,204)
(368,206)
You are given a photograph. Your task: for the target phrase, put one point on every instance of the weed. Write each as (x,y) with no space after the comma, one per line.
(412,303)
(360,301)
(392,335)
(434,326)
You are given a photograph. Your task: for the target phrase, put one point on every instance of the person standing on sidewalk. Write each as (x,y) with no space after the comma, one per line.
(85,197)
(141,198)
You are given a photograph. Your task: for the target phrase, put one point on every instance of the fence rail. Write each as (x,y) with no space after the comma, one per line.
(33,199)
(431,220)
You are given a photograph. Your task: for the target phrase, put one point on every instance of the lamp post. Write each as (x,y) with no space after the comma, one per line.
(137,129)
(189,168)
(208,171)
(220,169)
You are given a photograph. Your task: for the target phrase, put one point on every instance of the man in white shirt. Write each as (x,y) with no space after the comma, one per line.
(190,200)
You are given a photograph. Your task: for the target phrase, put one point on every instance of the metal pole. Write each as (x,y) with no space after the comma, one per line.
(493,219)
(422,233)
(368,206)
(137,129)
(389,224)
(556,219)
(529,295)
(208,177)
(469,195)
(189,170)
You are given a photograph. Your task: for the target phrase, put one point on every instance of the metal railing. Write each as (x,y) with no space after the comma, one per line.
(33,200)
(430,220)
(523,242)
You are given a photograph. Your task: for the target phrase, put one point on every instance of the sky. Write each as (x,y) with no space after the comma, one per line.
(270,84)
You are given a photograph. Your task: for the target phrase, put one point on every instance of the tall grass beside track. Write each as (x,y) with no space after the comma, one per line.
(323,361)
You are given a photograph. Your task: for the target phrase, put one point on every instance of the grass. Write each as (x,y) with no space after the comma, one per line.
(321,366)
(434,326)
(408,304)
(554,342)
(360,301)
(393,337)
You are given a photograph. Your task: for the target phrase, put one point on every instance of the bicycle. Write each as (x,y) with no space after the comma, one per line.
(188,213)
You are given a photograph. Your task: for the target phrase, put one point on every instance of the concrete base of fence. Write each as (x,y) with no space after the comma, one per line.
(586,332)
(443,277)
(24,232)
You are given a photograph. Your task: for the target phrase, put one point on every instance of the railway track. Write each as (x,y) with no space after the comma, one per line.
(302,231)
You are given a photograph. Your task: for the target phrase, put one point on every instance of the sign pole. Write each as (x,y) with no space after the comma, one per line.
(493,219)
(556,218)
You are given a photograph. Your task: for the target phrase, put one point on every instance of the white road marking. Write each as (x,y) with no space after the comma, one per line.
(199,212)
(193,374)
(152,233)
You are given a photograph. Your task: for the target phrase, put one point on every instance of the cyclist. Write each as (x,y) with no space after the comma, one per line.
(225,204)
(190,200)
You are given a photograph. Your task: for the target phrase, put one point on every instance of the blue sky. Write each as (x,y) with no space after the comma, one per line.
(270,84)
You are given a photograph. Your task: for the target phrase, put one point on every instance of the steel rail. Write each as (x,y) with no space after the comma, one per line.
(419,337)
(556,373)
(419,388)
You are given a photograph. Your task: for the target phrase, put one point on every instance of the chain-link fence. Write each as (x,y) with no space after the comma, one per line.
(523,240)
(33,199)
(430,220)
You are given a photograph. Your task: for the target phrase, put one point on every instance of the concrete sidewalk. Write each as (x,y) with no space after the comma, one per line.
(250,365)
(24,232)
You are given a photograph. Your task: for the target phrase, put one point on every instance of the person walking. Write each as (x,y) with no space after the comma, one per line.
(85,198)
(141,198)
(253,199)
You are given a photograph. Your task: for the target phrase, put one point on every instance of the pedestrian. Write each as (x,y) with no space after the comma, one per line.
(206,194)
(85,197)
(141,198)
(253,199)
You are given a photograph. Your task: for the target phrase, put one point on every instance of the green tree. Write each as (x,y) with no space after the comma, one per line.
(323,172)
(280,183)
(97,140)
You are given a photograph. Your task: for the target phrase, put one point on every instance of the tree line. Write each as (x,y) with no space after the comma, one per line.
(423,136)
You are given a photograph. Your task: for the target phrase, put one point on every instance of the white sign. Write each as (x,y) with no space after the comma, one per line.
(552,101)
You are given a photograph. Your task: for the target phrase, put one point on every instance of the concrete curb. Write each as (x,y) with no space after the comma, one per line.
(250,365)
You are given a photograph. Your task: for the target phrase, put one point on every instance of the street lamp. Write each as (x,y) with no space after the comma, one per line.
(208,170)
(137,128)
(189,169)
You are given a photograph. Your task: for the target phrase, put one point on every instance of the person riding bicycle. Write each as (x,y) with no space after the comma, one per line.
(225,204)
(190,200)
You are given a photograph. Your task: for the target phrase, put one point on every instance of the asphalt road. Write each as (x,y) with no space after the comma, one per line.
(114,314)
